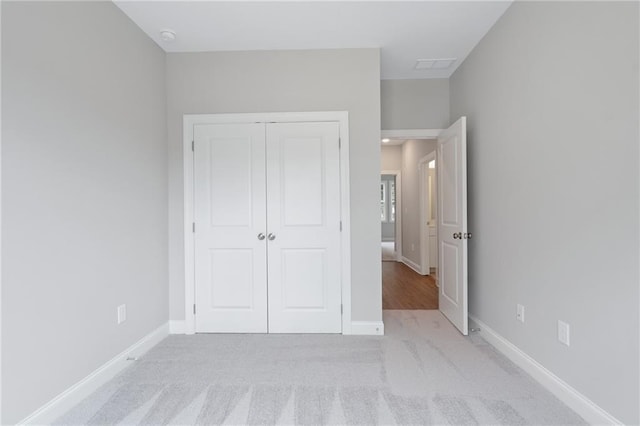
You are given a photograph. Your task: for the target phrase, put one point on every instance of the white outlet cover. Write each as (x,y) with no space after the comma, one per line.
(564,333)
(520,313)
(122,313)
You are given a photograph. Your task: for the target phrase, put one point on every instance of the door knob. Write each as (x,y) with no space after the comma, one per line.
(271,237)
(467,235)
(261,236)
(457,235)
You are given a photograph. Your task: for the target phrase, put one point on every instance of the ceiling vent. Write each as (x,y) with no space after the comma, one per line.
(434,64)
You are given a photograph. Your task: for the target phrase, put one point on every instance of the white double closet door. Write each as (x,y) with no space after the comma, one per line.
(267,228)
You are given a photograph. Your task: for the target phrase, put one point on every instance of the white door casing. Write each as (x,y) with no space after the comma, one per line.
(225,261)
(303,224)
(230,259)
(452,224)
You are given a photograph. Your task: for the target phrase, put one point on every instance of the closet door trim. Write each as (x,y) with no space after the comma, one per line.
(191,120)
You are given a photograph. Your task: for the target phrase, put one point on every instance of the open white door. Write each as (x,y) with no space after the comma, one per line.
(452,223)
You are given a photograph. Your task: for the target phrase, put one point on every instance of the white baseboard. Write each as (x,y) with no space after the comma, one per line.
(76,393)
(177,327)
(582,405)
(367,328)
(411,264)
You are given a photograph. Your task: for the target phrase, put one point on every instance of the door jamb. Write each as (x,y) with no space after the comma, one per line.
(190,120)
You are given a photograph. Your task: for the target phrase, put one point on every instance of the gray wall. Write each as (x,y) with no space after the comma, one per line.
(271,81)
(84,203)
(415,104)
(551,94)
(412,151)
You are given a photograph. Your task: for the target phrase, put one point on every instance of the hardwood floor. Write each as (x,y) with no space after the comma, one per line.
(403,288)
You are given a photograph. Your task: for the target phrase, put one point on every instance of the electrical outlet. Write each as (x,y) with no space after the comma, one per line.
(564,332)
(122,313)
(520,313)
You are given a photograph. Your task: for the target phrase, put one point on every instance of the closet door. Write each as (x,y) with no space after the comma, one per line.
(230,252)
(303,226)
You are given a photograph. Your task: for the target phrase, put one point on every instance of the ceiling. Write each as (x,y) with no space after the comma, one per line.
(404,31)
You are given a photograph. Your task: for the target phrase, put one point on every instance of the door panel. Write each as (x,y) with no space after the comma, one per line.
(303,211)
(452,220)
(302,185)
(448,277)
(449,175)
(229,210)
(230,180)
(303,278)
(232,284)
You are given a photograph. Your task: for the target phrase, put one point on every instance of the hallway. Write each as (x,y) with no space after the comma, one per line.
(403,288)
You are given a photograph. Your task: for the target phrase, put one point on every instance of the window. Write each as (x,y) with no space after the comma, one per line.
(392,197)
(388,200)
(383,200)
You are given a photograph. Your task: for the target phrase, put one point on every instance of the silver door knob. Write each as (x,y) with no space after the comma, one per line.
(457,235)
(261,236)
(271,237)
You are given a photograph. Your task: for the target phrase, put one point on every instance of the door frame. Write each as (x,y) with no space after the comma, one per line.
(411,134)
(398,222)
(423,166)
(190,120)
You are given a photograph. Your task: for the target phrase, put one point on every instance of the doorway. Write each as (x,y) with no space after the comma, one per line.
(404,283)
(449,215)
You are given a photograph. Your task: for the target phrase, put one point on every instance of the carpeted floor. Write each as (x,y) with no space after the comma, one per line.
(421,372)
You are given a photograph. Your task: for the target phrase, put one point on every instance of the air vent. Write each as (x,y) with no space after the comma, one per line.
(434,64)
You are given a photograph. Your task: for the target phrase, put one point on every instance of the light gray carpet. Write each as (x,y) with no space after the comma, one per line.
(421,372)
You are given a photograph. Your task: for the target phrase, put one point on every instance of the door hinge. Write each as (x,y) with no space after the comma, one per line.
(341,310)
(193,145)
(193,227)
(340,226)
(194,309)
(339,143)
